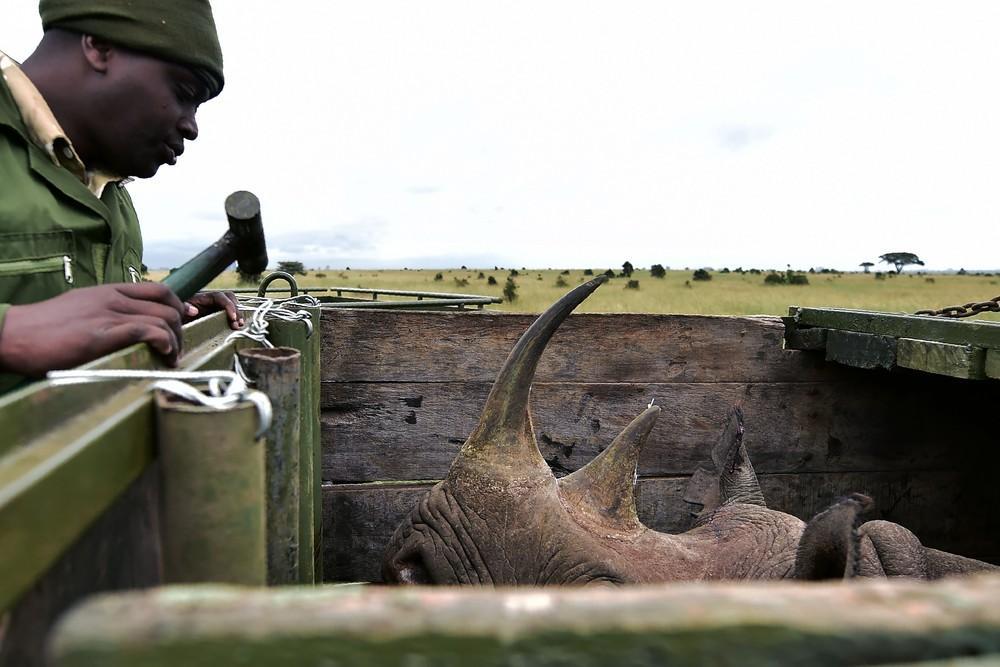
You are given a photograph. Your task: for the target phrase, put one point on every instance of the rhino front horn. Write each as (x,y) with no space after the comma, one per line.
(504,423)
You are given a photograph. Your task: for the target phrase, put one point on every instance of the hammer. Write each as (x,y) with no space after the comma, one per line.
(243,243)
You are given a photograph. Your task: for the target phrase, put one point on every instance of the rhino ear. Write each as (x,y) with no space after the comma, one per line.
(605,487)
(830,546)
(737,480)
(504,435)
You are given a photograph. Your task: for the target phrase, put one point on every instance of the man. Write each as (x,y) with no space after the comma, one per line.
(110,93)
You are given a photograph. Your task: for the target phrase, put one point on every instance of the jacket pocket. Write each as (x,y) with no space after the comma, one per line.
(34,267)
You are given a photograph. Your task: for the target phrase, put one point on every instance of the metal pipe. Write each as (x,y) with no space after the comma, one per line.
(213,498)
(276,372)
(294,335)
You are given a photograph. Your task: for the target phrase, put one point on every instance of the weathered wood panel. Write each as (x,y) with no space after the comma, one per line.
(412,431)
(120,551)
(366,346)
(937,506)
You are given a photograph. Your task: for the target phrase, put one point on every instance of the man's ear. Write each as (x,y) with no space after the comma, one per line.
(97,52)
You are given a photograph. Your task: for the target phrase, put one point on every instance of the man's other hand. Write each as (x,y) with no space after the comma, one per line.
(203,303)
(84,324)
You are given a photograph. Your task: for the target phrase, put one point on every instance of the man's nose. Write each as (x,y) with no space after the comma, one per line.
(188,127)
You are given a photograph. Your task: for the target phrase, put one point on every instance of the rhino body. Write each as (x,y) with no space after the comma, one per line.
(501,518)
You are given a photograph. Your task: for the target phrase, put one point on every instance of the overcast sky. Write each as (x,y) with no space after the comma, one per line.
(581,134)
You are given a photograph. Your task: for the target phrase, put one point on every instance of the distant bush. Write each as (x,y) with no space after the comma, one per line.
(879,275)
(755,272)
(657,271)
(510,290)
(491,281)
(243,279)
(565,273)
(797,278)
(320,275)
(609,273)
(928,280)
(588,272)
(461,282)
(514,273)
(438,276)
(480,276)
(632,284)
(539,277)
(724,270)
(560,281)
(774,279)
(962,272)
(292,268)
(465,268)
(627,269)
(701,274)
(687,283)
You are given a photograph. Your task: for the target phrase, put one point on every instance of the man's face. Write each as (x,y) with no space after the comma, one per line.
(147,109)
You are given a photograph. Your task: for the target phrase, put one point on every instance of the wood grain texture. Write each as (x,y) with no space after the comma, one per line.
(413,431)
(121,550)
(360,518)
(960,361)
(386,346)
(861,350)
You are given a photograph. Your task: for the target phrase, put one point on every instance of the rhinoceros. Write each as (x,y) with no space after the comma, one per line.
(500,517)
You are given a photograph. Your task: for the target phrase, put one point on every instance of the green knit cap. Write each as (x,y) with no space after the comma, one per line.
(182,31)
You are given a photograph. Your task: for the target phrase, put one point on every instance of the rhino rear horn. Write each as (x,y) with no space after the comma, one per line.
(504,433)
(737,479)
(605,487)
(830,546)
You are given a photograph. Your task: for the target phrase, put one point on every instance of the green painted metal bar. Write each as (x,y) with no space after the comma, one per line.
(212,508)
(370,290)
(315,361)
(276,373)
(69,451)
(978,333)
(294,335)
(748,624)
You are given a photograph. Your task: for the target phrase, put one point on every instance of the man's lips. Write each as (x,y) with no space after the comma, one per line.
(173,152)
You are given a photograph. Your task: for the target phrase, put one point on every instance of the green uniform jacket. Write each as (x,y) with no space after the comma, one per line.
(54,233)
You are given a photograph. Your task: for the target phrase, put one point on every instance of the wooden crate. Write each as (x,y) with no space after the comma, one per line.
(402,390)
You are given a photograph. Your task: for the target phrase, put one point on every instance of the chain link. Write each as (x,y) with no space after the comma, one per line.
(966,310)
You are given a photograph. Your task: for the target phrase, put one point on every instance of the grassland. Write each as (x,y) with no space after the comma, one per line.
(724,294)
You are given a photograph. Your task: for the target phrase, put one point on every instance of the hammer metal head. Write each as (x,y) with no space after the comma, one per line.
(243,212)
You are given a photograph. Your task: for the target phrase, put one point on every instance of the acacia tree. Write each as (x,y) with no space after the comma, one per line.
(900,259)
(867,266)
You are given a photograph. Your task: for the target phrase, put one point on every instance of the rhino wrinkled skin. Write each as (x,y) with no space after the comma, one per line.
(500,517)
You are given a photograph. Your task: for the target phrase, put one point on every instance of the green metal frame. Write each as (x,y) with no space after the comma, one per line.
(333,297)
(69,450)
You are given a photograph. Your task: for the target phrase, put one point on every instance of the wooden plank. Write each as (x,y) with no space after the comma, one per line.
(747,624)
(861,350)
(939,329)
(803,338)
(992,364)
(414,430)
(81,458)
(960,361)
(391,346)
(939,506)
(121,550)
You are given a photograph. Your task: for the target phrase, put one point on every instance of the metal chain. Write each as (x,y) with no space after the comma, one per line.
(223,389)
(966,310)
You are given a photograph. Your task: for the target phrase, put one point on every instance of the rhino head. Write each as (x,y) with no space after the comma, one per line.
(500,517)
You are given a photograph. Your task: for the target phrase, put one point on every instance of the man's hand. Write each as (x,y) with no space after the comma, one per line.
(84,324)
(203,303)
